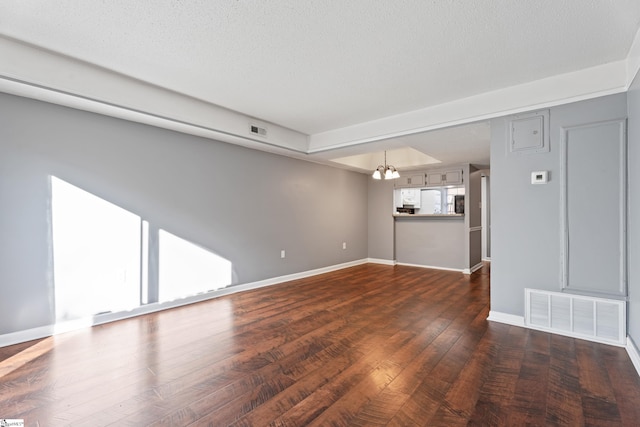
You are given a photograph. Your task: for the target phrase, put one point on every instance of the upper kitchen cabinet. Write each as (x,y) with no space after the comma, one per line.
(410,179)
(444,177)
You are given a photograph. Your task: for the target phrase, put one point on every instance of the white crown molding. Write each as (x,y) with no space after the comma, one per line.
(633,59)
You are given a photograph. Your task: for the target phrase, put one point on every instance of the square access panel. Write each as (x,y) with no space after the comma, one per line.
(529,133)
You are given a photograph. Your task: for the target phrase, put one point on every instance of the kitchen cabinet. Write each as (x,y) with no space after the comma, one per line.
(444,177)
(410,180)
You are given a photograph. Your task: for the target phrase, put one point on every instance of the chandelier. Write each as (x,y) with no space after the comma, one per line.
(386,171)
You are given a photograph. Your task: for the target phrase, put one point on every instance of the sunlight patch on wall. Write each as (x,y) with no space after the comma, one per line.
(96,253)
(105,261)
(188,269)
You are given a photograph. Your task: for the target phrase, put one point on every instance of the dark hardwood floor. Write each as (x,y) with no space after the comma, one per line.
(371,345)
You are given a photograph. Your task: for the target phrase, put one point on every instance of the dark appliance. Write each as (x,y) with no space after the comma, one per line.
(459,204)
(406,210)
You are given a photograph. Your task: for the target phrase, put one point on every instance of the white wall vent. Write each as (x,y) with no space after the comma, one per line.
(591,318)
(258,130)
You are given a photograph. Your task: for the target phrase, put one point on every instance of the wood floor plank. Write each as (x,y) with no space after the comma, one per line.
(463,394)
(564,405)
(529,400)
(627,385)
(370,345)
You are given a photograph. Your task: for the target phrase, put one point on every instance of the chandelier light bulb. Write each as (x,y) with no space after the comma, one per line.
(386,171)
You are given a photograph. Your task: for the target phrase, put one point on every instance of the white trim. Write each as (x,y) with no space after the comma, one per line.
(564,208)
(633,353)
(473,269)
(576,336)
(381,261)
(486,259)
(65,99)
(89,87)
(85,86)
(633,59)
(589,83)
(508,319)
(430,266)
(26,335)
(58,328)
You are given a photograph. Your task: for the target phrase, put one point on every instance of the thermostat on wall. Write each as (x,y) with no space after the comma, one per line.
(539,177)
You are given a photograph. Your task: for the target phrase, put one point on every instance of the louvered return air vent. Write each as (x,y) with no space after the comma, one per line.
(591,318)
(258,130)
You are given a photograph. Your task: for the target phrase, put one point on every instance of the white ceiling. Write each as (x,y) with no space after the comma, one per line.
(320,66)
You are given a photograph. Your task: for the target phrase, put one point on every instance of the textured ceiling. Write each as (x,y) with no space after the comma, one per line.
(315,66)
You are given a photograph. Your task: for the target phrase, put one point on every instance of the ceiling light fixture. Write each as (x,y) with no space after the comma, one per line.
(386,171)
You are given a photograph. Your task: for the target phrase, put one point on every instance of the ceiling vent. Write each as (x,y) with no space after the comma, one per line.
(258,130)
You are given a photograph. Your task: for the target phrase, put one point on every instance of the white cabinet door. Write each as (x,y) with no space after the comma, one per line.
(415,180)
(444,177)
(453,177)
(434,178)
(403,181)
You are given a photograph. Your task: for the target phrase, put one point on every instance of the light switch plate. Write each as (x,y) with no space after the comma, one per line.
(539,177)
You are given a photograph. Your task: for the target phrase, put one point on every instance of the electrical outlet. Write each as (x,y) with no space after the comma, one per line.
(344,245)
(282,254)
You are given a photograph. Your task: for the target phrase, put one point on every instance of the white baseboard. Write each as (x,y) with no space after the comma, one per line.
(487,259)
(433,267)
(382,261)
(294,276)
(509,319)
(633,353)
(476,267)
(26,335)
(72,325)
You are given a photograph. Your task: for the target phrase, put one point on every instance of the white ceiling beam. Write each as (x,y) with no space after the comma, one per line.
(633,59)
(560,89)
(29,71)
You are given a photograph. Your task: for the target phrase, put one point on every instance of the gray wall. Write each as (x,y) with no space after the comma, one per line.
(473,209)
(474,212)
(380,220)
(633,226)
(595,166)
(242,204)
(486,197)
(433,242)
(526,232)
